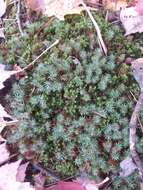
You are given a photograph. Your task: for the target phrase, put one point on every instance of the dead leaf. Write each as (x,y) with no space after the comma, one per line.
(4,75)
(2,12)
(3,114)
(131,20)
(21,172)
(8,178)
(137,69)
(4,154)
(127,167)
(2,7)
(2,139)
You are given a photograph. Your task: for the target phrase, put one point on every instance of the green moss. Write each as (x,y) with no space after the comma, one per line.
(57,103)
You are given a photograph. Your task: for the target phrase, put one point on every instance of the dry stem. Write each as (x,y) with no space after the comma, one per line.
(101,42)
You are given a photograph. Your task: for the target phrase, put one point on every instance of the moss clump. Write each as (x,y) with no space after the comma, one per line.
(58,101)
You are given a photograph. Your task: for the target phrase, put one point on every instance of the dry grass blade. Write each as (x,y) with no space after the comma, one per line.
(47,49)
(9,123)
(101,42)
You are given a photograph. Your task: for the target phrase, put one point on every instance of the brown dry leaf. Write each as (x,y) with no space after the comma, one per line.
(131,20)
(8,178)
(21,172)
(115,5)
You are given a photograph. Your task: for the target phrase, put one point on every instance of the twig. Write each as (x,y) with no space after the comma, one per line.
(33,62)
(18,17)
(135,99)
(101,42)
(46,172)
(99,114)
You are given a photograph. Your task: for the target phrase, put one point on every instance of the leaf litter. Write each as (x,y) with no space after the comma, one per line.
(10,173)
(8,180)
